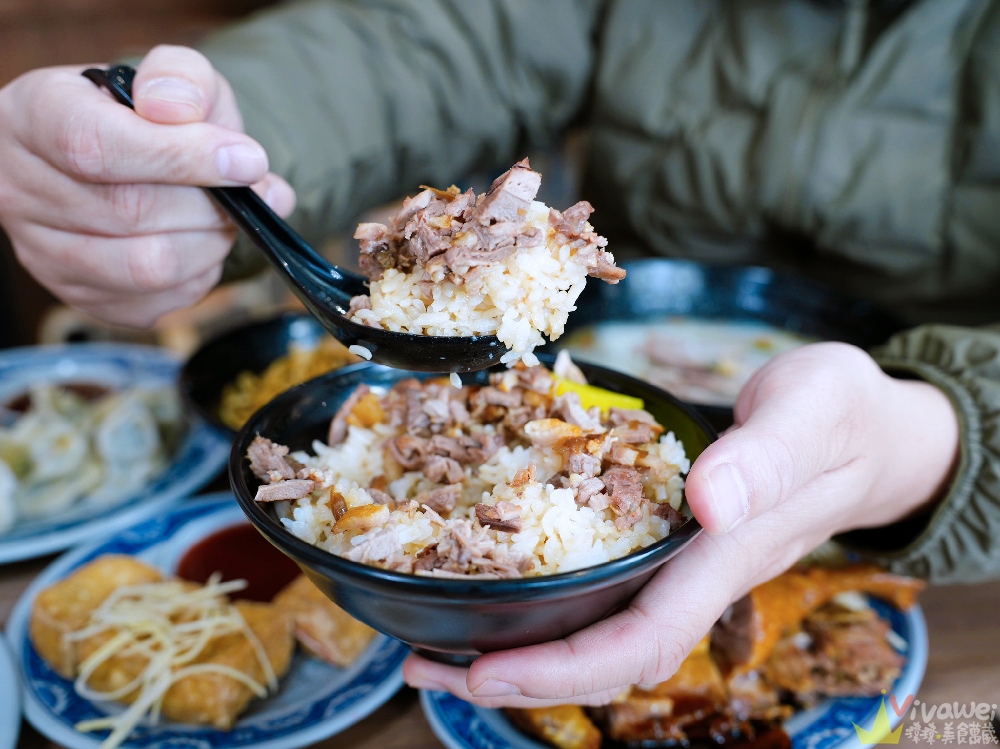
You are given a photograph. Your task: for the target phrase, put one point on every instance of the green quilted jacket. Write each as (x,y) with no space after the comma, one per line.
(854,141)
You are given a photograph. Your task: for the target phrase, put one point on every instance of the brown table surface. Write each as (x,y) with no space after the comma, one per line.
(963,623)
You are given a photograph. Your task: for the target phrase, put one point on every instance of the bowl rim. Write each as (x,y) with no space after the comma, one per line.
(185,379)
(523,587)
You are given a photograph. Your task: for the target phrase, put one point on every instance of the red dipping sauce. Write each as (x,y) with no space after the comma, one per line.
(239,552)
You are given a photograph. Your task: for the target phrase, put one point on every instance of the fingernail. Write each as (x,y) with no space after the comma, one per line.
(173,91)
(241,163)
(730,498)
(494,688)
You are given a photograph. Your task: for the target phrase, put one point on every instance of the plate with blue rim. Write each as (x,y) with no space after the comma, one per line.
(315,700)
(829,725)
(10,699)
(199,456)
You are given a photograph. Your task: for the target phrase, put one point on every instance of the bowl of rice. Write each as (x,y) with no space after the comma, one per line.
(507,508)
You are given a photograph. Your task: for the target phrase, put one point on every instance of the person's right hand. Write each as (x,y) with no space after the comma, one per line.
(100,202)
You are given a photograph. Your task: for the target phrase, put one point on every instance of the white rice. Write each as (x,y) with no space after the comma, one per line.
(529,294)
(559,534)
(360,351)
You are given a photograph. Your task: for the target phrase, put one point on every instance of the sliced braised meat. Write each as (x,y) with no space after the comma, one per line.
(294,489)
(450,447)
(376,253)
(482,446)
(530,236)
(510,195)
(461,543)
(636,434)
(536,379)
(491,396)
(624,487)
(338,425)
(517,417)
(663,510)
(504,563)
(503,516)
(426,240)
(567,369)
(441,500)
(573,220)
(623,454)
(588,489)
(437,406)
(377,546)
(465,551)
(360,302)
(381,497)
(584,464)
(605,269)
(267,460)
(619,416)
(417,420)
(568,408)
(411,206)
(408,451)
(459,412)
(442,470)
(470,257)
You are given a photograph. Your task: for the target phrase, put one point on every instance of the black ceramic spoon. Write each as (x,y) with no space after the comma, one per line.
(325,289)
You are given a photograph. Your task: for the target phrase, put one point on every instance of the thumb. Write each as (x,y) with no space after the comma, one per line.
(783,443)
(178,85)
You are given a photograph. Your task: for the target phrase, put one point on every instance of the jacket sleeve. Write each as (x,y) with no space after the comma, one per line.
(358,101)
(960,540)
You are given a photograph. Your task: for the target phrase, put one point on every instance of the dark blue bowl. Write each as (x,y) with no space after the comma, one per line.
(657,288)
(447,619)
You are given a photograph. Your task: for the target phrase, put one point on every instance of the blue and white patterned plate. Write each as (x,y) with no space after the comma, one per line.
(461,725)
(315,700)
(10,700)
(199,457)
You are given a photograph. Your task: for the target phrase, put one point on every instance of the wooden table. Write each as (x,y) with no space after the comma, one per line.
(964,625)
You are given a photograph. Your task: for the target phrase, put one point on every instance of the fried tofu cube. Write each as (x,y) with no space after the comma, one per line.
(208,698)
(216,699)
(562,726)
(67,606)
(321,626)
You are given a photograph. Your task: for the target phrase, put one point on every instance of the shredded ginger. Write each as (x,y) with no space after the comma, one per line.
(169,624)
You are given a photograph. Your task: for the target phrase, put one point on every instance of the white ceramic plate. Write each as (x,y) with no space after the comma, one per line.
(461,725)
(315,700)
(10,699)
(199,457)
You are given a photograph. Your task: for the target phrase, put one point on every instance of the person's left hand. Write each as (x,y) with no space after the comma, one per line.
(824,442)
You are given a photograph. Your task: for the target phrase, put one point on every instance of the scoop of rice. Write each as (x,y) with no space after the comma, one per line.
(503,264)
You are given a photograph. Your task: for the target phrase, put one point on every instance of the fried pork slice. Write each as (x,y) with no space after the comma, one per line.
(268,460)
(662,713)
(747,633)
(837,651)
(562,726)
(66,606)
(211,698)
(321,626)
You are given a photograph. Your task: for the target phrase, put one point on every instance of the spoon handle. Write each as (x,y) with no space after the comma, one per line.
(279,242)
